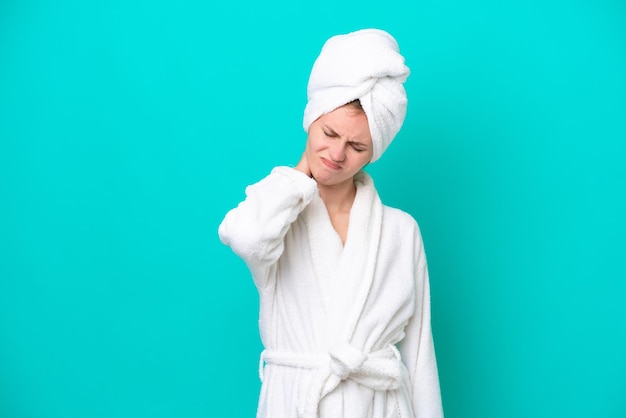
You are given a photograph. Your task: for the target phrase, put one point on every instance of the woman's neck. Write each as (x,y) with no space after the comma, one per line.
(338,198)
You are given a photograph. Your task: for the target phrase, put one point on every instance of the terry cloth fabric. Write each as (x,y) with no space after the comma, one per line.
(364,65)
(331,312)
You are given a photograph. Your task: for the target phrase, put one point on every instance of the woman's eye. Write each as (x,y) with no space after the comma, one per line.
(357,148)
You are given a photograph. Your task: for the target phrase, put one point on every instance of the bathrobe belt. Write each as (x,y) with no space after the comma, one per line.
(378,370)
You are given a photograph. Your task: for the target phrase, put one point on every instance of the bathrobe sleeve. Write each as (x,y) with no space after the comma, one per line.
(256,228)
(417,347)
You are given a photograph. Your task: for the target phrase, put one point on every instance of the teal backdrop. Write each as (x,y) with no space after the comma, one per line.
(129,128)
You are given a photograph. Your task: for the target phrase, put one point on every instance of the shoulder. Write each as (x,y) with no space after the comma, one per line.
(400,224)
(398,217)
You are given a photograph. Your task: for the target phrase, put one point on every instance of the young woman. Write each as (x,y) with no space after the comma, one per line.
(343,282)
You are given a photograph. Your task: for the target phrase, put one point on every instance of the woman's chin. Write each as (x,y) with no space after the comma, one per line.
(322,178)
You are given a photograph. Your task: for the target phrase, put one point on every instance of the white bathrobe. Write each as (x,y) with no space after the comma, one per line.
(331,316)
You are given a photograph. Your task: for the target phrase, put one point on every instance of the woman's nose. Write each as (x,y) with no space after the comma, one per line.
(337,152)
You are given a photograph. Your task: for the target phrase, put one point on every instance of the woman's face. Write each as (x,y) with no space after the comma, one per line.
(338,146)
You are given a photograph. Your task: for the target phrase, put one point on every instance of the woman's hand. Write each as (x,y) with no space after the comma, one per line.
(303,165)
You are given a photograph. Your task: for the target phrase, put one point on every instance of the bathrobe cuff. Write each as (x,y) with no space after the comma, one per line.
(303,183)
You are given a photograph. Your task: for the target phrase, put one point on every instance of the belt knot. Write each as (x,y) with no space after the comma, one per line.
(345,360)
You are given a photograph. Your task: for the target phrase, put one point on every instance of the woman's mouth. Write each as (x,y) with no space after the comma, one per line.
(330,164)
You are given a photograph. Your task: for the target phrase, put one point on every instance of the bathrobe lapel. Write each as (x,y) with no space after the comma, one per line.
(358,262)
(345,274)
(326,249)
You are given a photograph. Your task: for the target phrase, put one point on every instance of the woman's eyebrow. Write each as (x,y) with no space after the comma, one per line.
(361,144)
(330,130)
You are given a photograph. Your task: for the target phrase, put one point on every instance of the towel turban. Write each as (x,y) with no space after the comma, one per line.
(364,65)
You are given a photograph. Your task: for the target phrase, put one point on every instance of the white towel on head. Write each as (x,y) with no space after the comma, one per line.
(364,65)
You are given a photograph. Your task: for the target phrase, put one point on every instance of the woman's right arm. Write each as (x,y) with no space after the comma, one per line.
(256,228)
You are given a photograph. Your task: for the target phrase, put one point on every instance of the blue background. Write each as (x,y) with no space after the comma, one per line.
(129,128)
